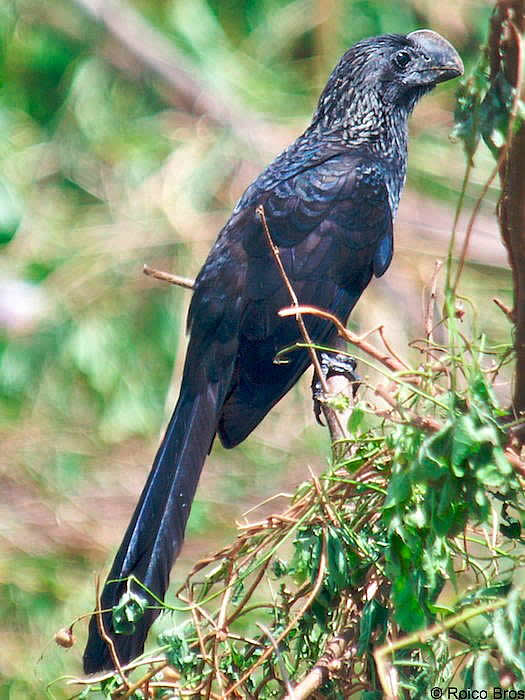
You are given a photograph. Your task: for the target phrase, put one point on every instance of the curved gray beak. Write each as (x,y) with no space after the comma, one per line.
(444,61)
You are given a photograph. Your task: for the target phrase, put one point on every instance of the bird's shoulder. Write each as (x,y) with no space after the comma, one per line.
(344,197)
(321,209)
(312,156)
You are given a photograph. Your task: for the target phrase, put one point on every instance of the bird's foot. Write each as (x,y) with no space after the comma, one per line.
(339,372)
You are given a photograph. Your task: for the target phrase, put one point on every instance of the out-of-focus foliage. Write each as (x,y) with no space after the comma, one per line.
(101,171)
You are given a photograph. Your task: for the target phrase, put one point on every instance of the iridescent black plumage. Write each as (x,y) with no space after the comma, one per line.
(330,200)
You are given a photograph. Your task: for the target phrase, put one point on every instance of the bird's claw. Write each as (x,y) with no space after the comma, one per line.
(333,364)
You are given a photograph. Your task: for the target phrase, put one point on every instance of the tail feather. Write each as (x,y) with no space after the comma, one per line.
(156,532)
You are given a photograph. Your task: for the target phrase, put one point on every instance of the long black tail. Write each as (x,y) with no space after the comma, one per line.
(155,534)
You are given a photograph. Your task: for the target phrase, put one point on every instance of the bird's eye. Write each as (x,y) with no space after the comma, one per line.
(402,59)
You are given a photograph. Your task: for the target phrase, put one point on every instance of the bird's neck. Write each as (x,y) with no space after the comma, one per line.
(369,122)
(390,144)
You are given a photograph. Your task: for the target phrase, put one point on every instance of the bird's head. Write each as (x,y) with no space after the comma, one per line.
(419,61)
(393,69)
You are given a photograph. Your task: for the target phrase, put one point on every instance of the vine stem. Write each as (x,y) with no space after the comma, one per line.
(381,654)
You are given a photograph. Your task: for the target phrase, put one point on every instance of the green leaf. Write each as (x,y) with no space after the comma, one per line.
(501,461)
(408,612)
(451,513)
(489,474)
(440,609)
(433,454)
(373,615)
(279,568)
(471,92)
(338,574)
(465,442)
(468,673)
(128,612)
(481,499)
(178,652)
(498,590)
(511,529)
(398,489)
(506,642)
(355,419)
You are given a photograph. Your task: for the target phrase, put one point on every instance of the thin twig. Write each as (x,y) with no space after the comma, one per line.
(304,332)
(509,313)
(185,282)
(389,361)
(247,596)
(105,636)
(423,422)
(149,675)
(499,163)
(428,313)
(381,331)
(300,614)
(323,501)
(99,677)
(219,635)
(284,672)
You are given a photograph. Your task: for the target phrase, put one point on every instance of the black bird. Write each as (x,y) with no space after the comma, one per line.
(329,200)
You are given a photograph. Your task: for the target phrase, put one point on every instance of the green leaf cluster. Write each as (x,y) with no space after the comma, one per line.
(438,484)
(483,109)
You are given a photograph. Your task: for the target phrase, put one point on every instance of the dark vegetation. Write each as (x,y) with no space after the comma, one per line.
(408,550)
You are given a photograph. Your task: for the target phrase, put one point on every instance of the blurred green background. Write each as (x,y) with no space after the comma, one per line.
(109,160)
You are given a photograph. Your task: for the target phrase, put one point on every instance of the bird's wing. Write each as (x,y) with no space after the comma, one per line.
(333,226)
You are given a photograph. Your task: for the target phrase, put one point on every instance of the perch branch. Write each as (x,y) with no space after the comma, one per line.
(295,301)
(337,432)
(185,282)
(389,360)
(320,673)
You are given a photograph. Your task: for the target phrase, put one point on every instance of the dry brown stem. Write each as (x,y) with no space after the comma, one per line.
(390,361)
(105,636)
(506,57)
(337,430)
(509,313)
(185,282)
(306,605)
(336,649)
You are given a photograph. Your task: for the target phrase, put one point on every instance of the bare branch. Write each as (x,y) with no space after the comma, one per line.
(509,313)
(390,361)
(105,636)
(320,673)
(185,282)
(337,432)
(506,56)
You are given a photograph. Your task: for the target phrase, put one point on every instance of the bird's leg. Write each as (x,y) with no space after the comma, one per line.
(339,372)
